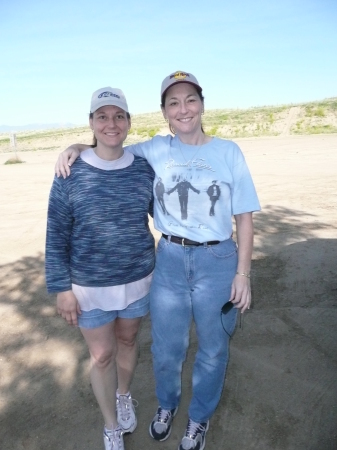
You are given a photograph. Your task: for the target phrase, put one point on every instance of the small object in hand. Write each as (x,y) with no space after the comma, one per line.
(227,307)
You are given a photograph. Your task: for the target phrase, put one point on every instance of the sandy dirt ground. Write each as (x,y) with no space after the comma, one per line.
(281,383)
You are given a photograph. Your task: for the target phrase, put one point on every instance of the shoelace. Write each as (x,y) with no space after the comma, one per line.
(164,415)
(114,436)
(193,428)
(124,405)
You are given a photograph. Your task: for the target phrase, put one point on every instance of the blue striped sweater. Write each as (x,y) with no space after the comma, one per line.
(97,230)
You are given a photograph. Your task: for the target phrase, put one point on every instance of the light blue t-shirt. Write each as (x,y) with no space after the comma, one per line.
(197,189)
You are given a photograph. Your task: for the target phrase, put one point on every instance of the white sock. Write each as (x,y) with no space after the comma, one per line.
(118,394)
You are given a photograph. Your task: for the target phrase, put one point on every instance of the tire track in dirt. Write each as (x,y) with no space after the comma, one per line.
(293,114)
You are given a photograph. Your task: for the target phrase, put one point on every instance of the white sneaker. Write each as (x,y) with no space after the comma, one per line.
(126,413)
(113,439)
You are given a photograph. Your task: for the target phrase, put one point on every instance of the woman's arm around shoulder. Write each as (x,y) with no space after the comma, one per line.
(151,148)
(67,158)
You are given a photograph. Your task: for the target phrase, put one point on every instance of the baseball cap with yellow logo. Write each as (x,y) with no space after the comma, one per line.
(179,77)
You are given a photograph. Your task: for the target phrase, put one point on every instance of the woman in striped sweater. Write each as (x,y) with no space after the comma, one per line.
(100,256)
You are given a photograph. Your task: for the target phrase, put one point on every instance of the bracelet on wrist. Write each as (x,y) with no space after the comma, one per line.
(247,275)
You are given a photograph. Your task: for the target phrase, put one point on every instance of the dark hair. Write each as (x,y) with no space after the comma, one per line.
(94,139)
(163,100)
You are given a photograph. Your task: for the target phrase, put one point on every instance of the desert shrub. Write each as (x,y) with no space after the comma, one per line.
(319,112)
(145,131)
(318,129)
(213,131)
(153,131)
(333,105)
(14,160)
(308,111)
(141,130)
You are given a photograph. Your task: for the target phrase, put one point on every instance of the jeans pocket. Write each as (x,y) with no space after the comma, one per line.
(225,249)
(162,244)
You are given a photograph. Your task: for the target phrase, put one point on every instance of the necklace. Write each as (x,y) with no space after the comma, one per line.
(195,154)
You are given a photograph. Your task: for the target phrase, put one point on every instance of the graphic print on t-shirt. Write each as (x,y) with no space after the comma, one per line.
(214,194)
(188,192)
(160,191)
(182,187)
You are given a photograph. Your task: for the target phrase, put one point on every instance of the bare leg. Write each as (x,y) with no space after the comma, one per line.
(103,349)
(127,354)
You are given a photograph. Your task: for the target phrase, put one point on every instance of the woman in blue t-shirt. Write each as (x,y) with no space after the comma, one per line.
(200,271)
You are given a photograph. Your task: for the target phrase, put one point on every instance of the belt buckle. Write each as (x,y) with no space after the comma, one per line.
(186,245)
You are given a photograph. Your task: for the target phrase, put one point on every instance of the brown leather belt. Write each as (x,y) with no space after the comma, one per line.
(187,242)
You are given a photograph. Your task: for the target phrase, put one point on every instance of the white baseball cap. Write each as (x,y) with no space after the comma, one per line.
(179,77)
(108,96)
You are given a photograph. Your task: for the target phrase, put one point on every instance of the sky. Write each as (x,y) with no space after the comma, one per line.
(244,53)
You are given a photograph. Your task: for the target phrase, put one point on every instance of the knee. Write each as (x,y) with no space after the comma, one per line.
(128,340)
(126,335)
(103,358)
(169,353)
(215,356)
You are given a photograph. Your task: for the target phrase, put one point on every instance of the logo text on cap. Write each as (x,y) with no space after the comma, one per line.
(108,94)
(179,75)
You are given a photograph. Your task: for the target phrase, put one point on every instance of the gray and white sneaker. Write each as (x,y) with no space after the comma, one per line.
(161,425)
(195,436)
(113,439)
(126,415)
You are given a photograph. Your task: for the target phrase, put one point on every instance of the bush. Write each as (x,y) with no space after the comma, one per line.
(320,112)
(213,131)
(15,160)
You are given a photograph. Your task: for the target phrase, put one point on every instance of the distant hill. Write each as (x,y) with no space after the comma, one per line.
(306,118)
(35,126)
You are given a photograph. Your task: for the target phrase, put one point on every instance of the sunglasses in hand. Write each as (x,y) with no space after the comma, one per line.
(228,306)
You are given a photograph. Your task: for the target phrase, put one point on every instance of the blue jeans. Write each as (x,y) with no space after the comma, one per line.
(192,283)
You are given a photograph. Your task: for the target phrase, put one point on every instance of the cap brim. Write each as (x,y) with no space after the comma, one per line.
(107,103)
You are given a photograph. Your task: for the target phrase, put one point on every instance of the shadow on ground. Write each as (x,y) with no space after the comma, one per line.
(281,387)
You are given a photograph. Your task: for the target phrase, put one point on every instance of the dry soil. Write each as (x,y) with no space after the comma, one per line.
(281,384)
